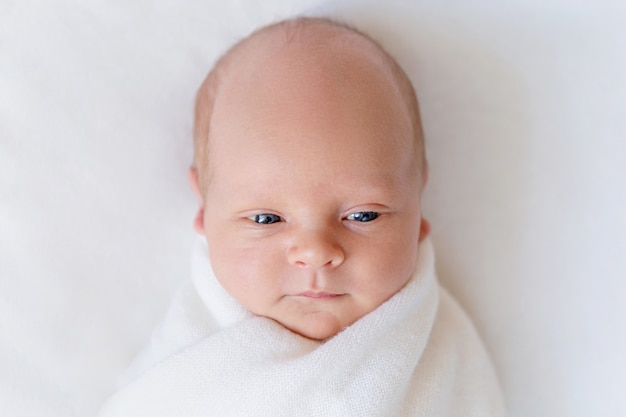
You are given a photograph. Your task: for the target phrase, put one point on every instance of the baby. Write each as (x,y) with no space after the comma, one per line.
(316,292)
(309,166)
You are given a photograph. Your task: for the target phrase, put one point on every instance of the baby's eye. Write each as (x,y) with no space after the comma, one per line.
(265,218)
(363,216)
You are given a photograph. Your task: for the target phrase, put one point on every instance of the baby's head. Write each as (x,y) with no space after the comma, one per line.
(309,166)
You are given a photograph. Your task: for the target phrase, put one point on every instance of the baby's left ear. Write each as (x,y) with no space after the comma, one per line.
(424,229)
(198,222)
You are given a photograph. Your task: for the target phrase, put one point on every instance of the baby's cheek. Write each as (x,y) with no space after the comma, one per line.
(259,292)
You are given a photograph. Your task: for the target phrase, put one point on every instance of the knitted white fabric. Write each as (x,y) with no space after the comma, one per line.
(415,355)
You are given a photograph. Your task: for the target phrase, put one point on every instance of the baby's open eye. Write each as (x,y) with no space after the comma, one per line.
(265,218)
(363,216)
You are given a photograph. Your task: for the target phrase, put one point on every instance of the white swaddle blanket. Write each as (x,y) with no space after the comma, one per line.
(416,355)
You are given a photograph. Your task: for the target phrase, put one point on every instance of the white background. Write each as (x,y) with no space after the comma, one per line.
(524,108)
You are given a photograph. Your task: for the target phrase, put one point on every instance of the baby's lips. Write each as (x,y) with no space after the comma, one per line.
(319,295)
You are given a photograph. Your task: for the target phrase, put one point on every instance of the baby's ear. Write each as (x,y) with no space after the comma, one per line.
(194,183)
(424,229)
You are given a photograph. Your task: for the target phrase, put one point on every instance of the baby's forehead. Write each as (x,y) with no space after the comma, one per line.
(289,57)
(315,68)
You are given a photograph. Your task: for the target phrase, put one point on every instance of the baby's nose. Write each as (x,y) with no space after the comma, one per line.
(315,249)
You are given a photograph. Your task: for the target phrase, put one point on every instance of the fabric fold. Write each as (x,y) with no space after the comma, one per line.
(415,355)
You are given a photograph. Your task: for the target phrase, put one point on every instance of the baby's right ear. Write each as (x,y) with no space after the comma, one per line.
(194,183)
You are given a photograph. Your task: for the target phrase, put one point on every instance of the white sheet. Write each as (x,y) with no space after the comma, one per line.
(523,106)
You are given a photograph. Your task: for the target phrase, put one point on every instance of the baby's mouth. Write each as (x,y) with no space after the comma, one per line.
(319,295)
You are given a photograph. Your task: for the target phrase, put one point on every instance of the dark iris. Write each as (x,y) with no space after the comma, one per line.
(266,218)
(363,216)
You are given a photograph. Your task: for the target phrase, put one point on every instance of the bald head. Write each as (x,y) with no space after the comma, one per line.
(305,61)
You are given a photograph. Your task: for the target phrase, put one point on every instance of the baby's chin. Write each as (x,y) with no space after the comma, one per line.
(320,325)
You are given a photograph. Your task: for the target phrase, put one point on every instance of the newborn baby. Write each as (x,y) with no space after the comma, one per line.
(313,290)
(309,168)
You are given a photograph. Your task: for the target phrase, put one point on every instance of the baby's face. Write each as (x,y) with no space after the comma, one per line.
(312,211)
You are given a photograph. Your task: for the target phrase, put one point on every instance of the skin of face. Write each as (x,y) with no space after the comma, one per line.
(312,212)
